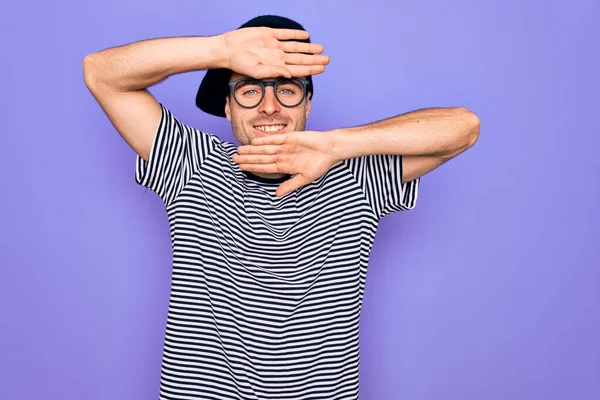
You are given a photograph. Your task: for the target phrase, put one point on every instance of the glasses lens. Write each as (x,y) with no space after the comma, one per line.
(290,92)
(248,93)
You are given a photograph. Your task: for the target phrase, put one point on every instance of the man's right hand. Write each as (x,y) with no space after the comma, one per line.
(260,52)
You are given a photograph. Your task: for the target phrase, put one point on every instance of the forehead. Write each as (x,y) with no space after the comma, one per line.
(236,76)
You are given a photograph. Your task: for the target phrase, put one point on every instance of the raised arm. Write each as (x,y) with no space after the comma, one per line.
(118,77)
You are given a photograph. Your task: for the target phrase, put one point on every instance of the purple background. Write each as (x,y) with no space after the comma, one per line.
(489,289)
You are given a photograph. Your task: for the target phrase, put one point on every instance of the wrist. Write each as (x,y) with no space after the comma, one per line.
(217,50)
(346,144)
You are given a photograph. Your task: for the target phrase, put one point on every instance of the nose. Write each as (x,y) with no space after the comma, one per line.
(269,104)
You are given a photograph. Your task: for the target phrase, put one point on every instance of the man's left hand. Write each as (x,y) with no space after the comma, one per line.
(307,154)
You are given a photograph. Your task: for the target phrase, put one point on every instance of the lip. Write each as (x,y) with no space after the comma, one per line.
(270,133)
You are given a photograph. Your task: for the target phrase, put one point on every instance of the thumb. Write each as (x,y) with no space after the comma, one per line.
(292,184)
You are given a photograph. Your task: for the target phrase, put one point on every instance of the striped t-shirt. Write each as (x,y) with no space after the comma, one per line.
(266,292)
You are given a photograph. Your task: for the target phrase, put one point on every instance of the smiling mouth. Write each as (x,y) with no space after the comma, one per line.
(270,128)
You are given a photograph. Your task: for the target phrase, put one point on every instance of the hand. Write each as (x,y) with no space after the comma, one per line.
(307,154)
(259,52)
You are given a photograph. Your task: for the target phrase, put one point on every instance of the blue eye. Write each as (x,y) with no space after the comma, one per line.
(287,91)
(251,92)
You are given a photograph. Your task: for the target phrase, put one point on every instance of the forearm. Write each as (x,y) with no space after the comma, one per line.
(139,65)
(431,132)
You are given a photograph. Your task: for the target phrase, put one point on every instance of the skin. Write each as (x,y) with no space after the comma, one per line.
(268,112)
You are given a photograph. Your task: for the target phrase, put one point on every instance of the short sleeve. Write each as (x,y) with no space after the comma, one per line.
(177,153)
(380,178)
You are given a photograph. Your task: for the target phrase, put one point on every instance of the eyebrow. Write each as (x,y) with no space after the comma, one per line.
(246,83)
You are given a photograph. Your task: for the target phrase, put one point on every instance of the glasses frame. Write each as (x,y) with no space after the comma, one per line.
(264,84)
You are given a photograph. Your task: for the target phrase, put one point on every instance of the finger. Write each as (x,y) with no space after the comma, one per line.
(300,47)
(291,184)
(306,59)
(270,71)
(255,149)
(306,70)
(290,34)
(255,159)
(267,168)
(272,140)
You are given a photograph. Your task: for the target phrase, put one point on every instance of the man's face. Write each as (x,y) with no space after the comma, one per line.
(248,123)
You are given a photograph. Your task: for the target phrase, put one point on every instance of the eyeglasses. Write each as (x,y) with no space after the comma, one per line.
(249,92)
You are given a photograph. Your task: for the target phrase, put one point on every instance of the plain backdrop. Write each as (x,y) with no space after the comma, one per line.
(488,289)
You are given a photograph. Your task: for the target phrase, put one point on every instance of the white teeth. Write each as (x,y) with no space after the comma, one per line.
(270,128)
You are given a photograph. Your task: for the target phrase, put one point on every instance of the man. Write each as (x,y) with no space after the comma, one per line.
(270,239)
